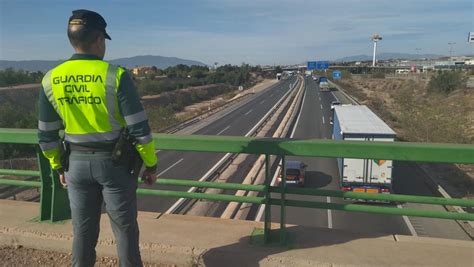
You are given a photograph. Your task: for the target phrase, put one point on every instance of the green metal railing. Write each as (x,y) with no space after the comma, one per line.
(54,203)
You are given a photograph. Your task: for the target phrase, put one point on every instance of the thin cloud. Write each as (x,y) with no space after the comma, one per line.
(258,32)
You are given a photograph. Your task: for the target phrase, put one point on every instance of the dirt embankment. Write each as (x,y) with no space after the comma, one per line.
(419,116)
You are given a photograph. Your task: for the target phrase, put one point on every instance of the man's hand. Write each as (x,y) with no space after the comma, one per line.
(149,175)
(62,180)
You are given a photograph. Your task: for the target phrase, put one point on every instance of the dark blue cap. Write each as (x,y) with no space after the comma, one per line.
(89,19)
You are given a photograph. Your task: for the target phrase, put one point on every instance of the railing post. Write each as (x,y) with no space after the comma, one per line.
(267,228)
(282,203)
(46,193)
(54,198)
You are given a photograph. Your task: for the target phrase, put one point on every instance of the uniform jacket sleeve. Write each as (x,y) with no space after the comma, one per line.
(49,124)
(136,120)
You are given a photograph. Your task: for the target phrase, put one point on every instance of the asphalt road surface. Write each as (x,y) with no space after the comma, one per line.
(194,165)
(313,122)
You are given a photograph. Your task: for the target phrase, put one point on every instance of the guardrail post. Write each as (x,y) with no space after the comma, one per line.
(267,228)
(54,198)
(283,200)
(46,191)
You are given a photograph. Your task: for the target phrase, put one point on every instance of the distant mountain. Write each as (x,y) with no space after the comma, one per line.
(158,61)
(130,62)
(387,56)
(30,65)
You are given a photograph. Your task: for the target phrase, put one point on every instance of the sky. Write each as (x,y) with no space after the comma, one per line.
(264,32)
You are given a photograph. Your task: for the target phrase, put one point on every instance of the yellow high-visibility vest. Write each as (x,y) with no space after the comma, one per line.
(84,94)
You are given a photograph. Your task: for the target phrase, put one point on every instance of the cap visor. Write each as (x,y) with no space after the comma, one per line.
(107,36)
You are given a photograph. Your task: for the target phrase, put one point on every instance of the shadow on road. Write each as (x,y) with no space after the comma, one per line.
(250,251)
(317,179)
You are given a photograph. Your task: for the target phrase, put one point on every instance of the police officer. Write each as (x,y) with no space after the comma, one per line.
(93,101)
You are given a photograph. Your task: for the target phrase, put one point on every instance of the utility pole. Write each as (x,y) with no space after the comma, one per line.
(375,38)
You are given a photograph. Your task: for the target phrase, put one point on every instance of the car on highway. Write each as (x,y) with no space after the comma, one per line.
(335,103)
(295,172)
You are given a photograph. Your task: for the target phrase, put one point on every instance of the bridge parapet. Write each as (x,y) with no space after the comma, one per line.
(54,203)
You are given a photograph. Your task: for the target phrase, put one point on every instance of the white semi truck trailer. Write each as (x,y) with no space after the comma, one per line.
(359,123)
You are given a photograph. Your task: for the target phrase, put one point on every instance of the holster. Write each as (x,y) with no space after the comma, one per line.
(125,154)
(64,159)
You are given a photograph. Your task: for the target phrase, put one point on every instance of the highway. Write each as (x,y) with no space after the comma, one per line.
(194,165)
(313,122)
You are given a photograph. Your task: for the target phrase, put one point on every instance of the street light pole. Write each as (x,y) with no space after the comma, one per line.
(375,38)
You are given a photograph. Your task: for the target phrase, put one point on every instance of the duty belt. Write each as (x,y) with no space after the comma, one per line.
(105,148)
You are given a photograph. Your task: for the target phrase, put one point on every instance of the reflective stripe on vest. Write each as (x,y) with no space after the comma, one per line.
(49,146)
(84,94)
(50,126)
(145,139)
(111,95)
(136,118)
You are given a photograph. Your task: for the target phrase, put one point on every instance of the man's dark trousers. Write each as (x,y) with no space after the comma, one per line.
(93,179)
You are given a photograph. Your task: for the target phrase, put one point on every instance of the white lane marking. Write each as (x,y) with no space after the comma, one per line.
(248,112)
(324,122)
(204,177)
(271,95)
(329,214)
(337,99)
(408,223)
(273,182)
(267,114)
(223,130)
(167,169)
(299,115)
(263,101)
(321,106)
(319,98)
(225,157)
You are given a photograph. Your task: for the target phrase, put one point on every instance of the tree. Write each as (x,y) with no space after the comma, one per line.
(278,69)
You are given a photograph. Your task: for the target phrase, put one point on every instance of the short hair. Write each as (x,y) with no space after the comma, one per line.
(81,36)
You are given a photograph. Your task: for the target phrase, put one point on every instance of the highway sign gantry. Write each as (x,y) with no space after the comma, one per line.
(318,65)
(322,65)
(311,65)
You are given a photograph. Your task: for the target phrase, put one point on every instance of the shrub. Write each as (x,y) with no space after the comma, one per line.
(431,118)
(10,76)
(378,75)
(160,117)
(446,82)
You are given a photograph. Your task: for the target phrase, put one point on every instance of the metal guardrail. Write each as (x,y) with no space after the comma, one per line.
(54,203)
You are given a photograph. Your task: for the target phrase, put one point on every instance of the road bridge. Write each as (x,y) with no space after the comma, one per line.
(295,217)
